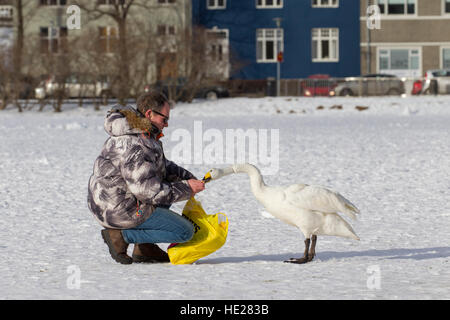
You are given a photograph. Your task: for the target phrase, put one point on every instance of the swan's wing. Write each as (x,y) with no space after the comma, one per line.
(294,188)
(318,198)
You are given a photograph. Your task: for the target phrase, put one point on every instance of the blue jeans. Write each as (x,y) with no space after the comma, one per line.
(163,226)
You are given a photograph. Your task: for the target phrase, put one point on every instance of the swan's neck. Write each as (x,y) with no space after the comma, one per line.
(256,180)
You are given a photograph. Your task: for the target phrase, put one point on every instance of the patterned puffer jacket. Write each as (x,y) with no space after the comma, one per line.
(132,176)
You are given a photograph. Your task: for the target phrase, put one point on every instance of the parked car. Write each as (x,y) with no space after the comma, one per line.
(318,85)
(370,85)
(75,86)
(442,78)
(179,89)
(25,87)
(417,87)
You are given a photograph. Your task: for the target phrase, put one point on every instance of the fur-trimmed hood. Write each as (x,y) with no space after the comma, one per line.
(127,120)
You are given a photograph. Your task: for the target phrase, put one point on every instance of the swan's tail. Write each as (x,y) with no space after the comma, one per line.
(345,206)
(336,226)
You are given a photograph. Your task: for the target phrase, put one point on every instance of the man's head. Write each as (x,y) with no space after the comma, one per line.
(155,107)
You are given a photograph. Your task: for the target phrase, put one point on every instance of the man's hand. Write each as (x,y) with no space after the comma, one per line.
(196,185)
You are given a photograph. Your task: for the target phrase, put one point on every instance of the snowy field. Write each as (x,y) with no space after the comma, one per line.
(392,160)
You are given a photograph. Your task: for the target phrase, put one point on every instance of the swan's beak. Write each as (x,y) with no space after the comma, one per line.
(207,177)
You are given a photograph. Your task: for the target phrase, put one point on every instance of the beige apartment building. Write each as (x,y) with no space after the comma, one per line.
(6,22)
(48,26)
(405,37)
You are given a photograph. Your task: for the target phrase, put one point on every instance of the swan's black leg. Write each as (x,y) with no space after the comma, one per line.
(304,259)
(312,250)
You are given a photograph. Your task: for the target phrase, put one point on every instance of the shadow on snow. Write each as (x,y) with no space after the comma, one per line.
(401,254)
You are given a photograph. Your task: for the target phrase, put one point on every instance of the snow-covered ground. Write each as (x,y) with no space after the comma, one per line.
(392,160)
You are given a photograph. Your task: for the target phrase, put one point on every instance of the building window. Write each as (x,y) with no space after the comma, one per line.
(403,62)
(108,39)
(269,42)
(269,4)
(216,4)
(6,37)
(325,45)
(110,2)
(52,2)
(217,54)
(166,1)
(447,6)
(325,3)
(217,43)
(395,7)
(446,58)
(6,13)
(53,40)
(166,66)
(163,30)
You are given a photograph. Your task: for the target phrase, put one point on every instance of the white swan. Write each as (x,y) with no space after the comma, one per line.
(312,209)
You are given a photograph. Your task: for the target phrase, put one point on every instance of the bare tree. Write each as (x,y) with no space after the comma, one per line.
(20,81)
(133,65)
(58,68)
(117,10)
(5,75)
(19,43)
(194,51)
(142,55)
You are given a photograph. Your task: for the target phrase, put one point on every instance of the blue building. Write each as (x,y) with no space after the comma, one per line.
(315,36)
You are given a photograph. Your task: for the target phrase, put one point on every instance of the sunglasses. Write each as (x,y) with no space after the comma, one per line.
(166,118)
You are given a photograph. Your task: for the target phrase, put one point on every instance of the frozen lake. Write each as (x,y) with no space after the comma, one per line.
(392,160)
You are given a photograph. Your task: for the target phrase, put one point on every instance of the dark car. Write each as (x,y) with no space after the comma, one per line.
(180,90)
(25,87)
(371,85)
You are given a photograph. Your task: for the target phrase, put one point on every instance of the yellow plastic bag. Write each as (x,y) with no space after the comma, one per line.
(210,234)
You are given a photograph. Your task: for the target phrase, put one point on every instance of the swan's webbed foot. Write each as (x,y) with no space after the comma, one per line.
(298,261)
(305,257)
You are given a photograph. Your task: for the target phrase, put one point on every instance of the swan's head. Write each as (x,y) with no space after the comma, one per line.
(216,173)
